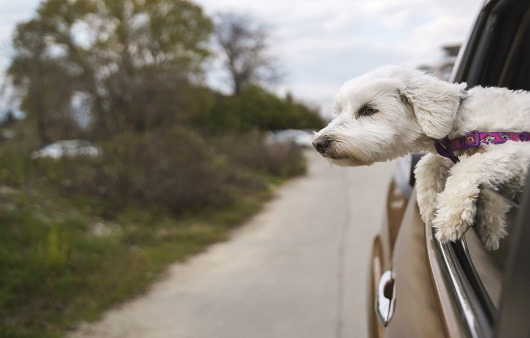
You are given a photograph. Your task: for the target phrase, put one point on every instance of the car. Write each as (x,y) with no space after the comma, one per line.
(301,138)
(67,148)
(419,287)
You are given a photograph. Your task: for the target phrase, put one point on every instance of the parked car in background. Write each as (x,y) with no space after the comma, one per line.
(420,287)
(301,138)
(68,148)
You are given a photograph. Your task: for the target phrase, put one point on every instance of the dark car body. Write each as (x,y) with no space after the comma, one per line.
(420,287)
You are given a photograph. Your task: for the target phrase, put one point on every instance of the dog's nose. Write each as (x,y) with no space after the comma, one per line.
(322,144)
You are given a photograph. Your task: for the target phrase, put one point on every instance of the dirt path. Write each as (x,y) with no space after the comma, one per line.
(298,269)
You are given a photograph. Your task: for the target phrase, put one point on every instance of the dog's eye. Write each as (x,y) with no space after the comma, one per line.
(367,111)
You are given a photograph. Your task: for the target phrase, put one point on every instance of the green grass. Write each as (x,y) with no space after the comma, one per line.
(79,235)
(60,264)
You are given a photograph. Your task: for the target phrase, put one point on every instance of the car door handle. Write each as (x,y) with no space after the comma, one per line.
(386,297)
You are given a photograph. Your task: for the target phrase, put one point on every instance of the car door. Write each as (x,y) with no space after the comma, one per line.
(460,289)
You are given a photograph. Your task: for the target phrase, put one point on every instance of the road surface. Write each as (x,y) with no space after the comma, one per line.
(296,270)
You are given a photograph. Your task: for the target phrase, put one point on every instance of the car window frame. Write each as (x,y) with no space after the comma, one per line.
(478,315)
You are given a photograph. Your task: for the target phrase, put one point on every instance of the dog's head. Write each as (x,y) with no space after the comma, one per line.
(386,114)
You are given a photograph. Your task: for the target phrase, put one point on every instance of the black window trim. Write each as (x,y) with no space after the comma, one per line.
(485,33)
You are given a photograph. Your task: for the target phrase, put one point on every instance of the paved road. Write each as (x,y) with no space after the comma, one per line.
(297,270)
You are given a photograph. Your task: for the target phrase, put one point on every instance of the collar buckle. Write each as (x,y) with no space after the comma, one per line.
(471,139)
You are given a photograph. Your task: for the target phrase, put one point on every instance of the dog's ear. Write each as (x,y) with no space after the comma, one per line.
(434,101)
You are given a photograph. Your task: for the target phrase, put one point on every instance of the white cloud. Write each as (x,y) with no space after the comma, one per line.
(11,13)
(322,43)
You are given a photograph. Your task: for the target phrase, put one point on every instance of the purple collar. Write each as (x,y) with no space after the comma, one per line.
(446,146)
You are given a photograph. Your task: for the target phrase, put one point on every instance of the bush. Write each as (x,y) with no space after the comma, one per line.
(174,169)
(249,151)
(80,234)
(13,168)
(256,108)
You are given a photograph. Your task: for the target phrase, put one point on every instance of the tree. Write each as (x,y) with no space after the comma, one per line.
(258,109)
(244,48)
(46,81)
(131,60)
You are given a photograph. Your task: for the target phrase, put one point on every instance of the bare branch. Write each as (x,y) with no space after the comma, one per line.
(245,47)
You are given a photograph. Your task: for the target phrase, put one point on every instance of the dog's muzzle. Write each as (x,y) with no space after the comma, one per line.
(322,144)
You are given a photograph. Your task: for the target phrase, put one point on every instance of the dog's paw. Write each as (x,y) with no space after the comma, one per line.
(450,225)
(491,240)
(453,217)
(491,219)
(449,232)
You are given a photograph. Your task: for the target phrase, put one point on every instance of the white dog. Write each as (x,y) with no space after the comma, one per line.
(394,111)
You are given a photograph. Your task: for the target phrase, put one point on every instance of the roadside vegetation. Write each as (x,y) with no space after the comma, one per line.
(180,164)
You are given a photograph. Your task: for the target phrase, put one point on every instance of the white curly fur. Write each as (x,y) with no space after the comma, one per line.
(413,109)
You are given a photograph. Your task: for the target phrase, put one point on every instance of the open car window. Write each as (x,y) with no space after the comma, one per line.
(500,50)
(502,58)
(498,54)
(516,70)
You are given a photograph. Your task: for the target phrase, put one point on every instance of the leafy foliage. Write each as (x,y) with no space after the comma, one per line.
(80,234)
(173,169)
(131,66)
(250,152)
(114,54)
(256,108)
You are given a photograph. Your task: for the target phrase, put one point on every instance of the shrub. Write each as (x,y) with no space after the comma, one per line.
(61,261)
(13,167)
(250,151)
(256,108)
(174,169)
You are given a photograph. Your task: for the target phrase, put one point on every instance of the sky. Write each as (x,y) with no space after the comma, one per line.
(319,44)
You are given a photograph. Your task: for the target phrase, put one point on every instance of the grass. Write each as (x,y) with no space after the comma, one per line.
(59,265)
(79,235)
